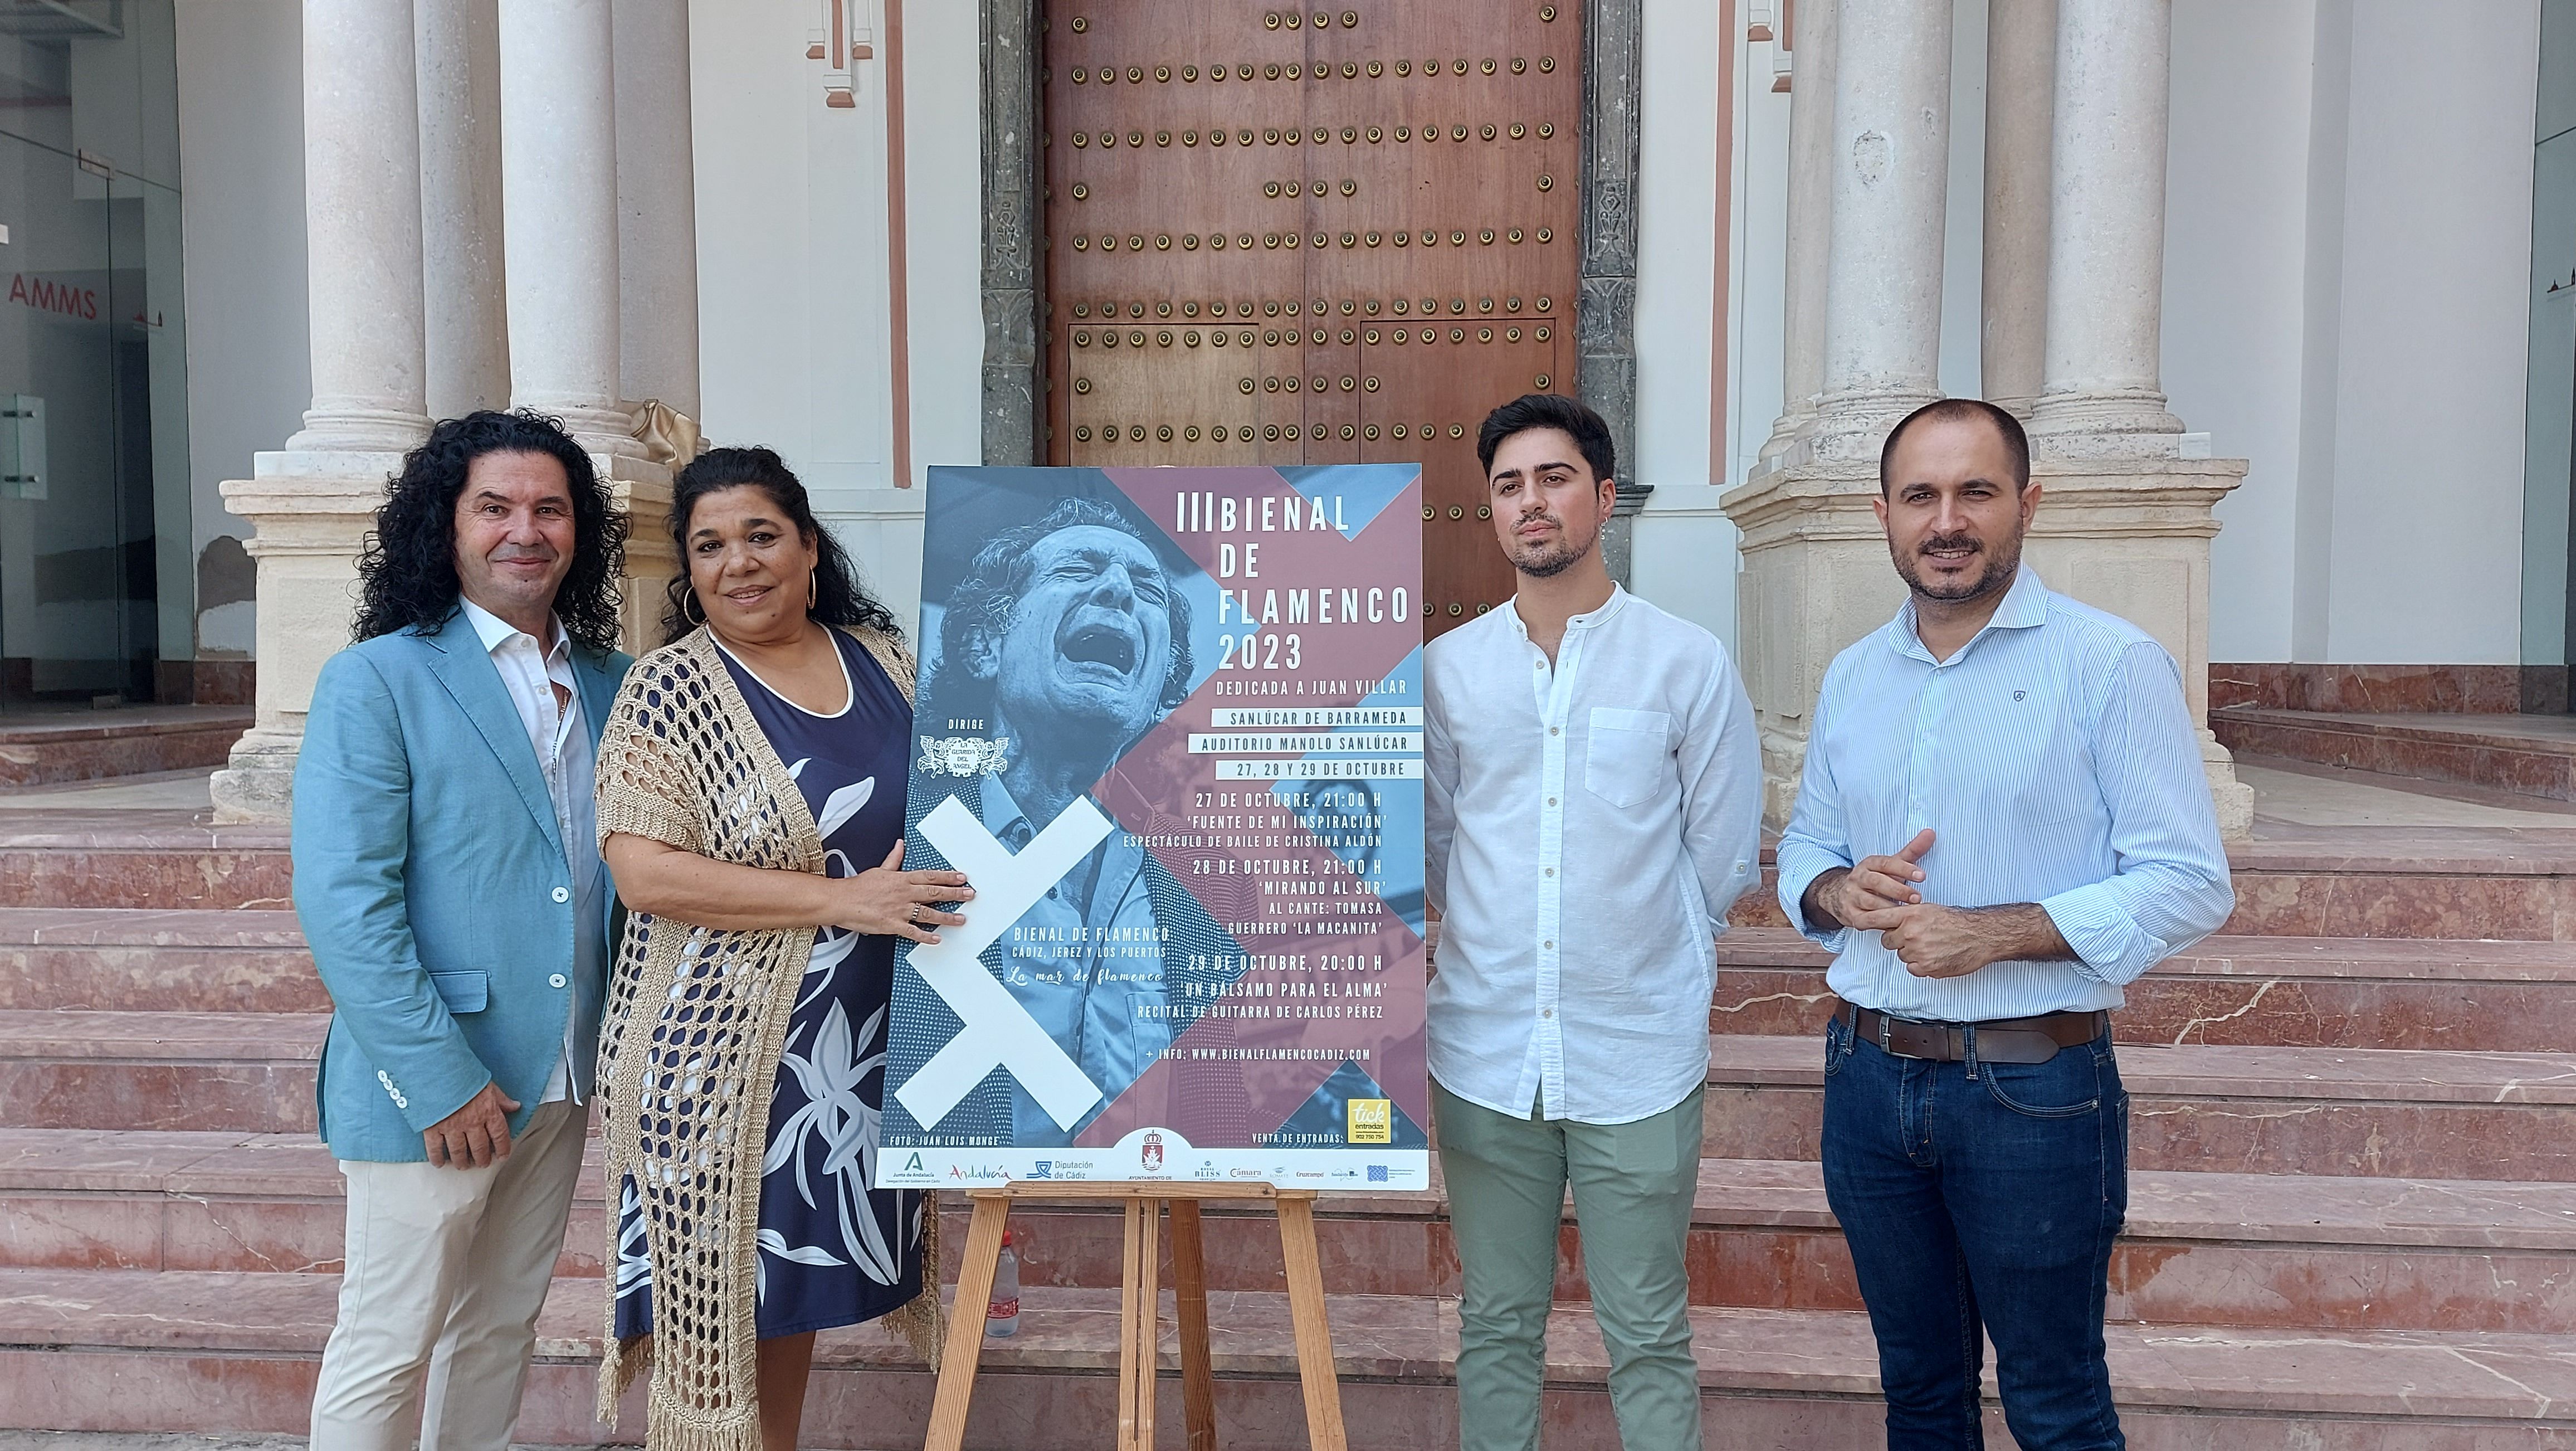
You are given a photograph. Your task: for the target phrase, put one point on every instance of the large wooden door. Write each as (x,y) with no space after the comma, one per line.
(1305,236)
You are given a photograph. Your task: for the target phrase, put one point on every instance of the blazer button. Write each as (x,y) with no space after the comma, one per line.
(555,981)
(563,894)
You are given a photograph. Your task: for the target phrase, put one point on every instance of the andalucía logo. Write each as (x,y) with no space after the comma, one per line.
(1152,1153)
(913,1165)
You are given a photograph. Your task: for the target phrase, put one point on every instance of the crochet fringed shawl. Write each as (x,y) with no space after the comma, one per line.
(702,1013)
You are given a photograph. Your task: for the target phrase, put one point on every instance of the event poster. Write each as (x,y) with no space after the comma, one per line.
(1170,724)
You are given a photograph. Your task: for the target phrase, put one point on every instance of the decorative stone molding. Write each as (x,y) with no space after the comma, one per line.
(1014,233)
(1605,369)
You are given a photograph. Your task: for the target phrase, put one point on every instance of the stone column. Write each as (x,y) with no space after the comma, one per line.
(559,183)
(1891,182)
(2021,80)
(362,228)
(312,504)
(1816,575)
(2107,229)
(559,170)
(1811,205)
(2127,519)
(468,339)
(657,208)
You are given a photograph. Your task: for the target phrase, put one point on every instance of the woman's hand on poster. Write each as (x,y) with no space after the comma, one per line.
(891,902)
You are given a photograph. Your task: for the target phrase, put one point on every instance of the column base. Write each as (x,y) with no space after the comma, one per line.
(602,429)
(359,430)
(2109,423)
(257,785)
(2233,798)
(1784,433)
(1852,425)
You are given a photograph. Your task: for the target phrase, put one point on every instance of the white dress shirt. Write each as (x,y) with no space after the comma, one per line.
(2055,761)
(1589,823)
(564,757)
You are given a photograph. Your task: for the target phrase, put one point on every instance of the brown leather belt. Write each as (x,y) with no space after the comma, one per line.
(2004,1040)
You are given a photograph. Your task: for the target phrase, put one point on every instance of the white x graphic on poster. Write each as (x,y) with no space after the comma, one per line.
(998,1032)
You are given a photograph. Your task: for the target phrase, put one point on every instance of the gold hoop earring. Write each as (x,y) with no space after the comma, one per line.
(691,610)
(812,592)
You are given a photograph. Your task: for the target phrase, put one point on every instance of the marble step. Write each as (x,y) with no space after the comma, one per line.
(2382,1114)
(2448,882)
(2318,1111)
(2271,1251)
(2525,755)
(2392,882)
(91,745)
(206,1352)
(2296,991)
(2431,882)
(161,859)
(143,960)
(2309,992)
(248,1072)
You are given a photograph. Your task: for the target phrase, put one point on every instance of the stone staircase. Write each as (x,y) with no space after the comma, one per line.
(2353,1218)
(78,745)
(2508,755)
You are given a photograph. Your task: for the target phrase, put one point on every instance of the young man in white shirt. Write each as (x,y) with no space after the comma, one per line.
(1593,807)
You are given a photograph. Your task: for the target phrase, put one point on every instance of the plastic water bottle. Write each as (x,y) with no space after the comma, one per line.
(1002,1316)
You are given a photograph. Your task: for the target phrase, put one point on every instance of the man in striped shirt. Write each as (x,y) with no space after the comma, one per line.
(2002,820)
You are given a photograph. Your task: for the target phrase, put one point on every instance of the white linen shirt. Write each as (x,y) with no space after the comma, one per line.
(2055,761)
(1588,823)
(564,758)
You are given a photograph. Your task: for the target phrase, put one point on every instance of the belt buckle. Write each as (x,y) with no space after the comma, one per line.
(1886,1033)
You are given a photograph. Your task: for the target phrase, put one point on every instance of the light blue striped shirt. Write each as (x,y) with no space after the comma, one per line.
(2055,762)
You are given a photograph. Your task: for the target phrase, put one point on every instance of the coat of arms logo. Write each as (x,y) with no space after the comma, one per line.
(962,756)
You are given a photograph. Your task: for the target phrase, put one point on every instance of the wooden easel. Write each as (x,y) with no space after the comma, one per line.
(1139,1335)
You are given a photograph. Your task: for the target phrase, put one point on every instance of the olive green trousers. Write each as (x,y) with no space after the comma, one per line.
(1633,1187)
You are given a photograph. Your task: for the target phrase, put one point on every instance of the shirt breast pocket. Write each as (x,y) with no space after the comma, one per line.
(1624,754)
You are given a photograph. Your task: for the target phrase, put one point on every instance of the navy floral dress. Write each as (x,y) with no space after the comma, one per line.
(832,1251)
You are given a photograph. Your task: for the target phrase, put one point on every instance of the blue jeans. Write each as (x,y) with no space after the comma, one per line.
(1982,1198)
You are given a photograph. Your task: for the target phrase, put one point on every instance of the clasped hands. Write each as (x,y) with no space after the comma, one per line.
(1879,895)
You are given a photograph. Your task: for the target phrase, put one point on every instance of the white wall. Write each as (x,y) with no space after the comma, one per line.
(2236,248)
(1683,548)
(2426,534)
(793,309)
(2347,248)
(241,144)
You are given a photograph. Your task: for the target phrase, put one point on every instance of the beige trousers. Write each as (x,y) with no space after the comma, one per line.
(447,1269)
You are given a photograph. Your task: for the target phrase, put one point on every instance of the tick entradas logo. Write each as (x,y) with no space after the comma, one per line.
(1372,1121)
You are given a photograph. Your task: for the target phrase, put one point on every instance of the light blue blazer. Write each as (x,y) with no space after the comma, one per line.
(431,882)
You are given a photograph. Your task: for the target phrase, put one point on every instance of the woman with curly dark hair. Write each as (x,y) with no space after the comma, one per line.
(751,803)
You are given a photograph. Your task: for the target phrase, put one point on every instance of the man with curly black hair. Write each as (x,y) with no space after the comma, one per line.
(449,882)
